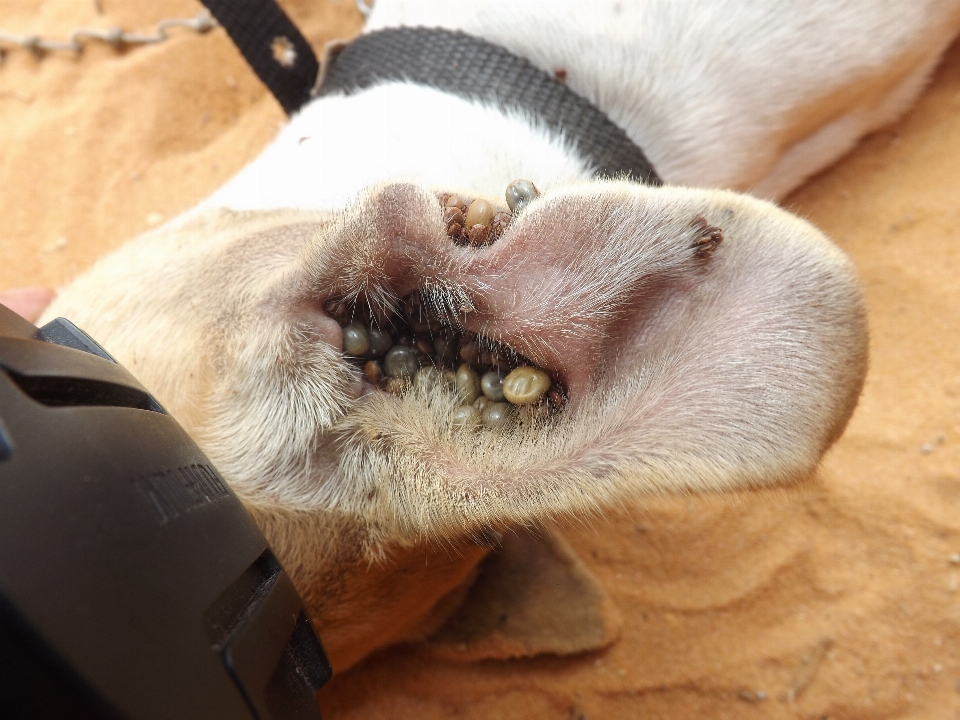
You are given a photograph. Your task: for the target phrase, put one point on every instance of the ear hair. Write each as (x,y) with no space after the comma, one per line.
(739,365)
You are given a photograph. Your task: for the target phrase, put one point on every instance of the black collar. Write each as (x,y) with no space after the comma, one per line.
(470,67)
(447,60)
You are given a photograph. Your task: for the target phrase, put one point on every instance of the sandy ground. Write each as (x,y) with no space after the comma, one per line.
(841,601)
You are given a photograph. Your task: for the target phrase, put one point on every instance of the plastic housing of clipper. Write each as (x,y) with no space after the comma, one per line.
(133,583)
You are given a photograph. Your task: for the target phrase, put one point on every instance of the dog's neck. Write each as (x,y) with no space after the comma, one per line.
(614,54)
(340,144)
(401,131)
(473,68)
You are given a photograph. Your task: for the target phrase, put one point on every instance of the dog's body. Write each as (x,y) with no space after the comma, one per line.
(687,369)
(753,97)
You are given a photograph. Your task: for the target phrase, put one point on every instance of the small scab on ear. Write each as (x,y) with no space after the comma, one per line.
(708,237)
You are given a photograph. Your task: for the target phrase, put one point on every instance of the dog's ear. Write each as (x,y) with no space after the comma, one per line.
(704,340)
(532,596)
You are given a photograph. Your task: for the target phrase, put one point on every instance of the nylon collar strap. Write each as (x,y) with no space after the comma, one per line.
(468,66)
(271,44)
(450,61)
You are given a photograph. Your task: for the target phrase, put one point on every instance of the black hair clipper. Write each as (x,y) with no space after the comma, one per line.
(133,583)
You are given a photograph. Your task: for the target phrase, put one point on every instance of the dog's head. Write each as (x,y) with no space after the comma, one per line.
(704,341)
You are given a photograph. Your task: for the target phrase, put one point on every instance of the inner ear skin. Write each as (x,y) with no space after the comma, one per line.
(608,283)
(559,282)
(551,287)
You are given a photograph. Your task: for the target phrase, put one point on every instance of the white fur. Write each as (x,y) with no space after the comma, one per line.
(396,131)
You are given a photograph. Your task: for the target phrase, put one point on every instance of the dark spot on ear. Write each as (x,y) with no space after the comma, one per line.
(707,237)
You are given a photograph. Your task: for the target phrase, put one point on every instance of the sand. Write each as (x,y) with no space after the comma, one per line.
(840,601)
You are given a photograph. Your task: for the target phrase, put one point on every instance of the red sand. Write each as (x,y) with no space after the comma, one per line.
(839,601)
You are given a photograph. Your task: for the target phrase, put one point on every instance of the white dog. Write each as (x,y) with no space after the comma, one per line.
(702,339)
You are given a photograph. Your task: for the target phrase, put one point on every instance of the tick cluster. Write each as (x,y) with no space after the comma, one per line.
(477,222)
(413,347)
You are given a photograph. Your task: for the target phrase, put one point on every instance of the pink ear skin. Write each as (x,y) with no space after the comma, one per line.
(710,336)
(28,302)
(557,285)
(573,281)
